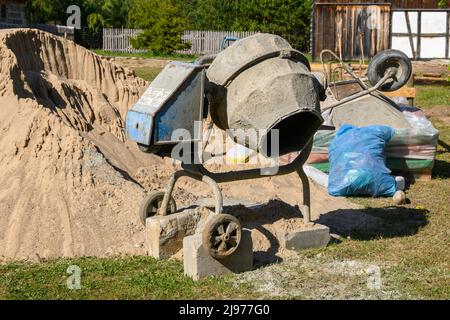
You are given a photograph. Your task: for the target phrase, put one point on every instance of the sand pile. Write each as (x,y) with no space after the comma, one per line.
(64,186)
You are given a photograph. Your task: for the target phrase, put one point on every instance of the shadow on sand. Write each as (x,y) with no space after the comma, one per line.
(359,224)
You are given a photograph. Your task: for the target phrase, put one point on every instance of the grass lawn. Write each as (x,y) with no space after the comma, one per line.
(120,278)
(420,262)
(147,73)
(412,249)
(147,55)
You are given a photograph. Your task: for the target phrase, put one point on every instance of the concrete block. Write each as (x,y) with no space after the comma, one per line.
(315,236)
(165,234)
(199,264)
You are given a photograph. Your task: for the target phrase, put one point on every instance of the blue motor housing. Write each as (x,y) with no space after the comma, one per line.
(171,105)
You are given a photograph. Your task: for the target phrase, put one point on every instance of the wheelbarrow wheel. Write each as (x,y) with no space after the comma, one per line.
(386,60)
(222,236)
(152,203)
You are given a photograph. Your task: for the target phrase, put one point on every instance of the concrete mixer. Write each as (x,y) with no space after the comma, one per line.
(260,84)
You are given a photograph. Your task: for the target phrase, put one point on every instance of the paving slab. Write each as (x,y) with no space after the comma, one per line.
(310,237)
(199,264)
(165,234)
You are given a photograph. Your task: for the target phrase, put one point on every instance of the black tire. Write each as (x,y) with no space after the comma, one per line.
(390,59)
(152,203)
(222,236)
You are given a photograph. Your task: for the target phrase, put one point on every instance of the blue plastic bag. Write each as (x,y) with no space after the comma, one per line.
(358,163)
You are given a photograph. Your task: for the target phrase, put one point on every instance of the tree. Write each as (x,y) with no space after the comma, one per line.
(163,26)
(96,21)
(164,20)
(443,4)
(94,13)
(287,18)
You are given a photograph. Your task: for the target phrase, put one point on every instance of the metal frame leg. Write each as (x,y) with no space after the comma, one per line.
(306,195)
(171,185)
(196,176)
(199,173)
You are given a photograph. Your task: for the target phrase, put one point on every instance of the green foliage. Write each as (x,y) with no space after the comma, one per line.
(95,21)
(443,4)
(94,13)
(45,11)
(111,279)
(164,20)
(148,55)
(287,18)
(163,26)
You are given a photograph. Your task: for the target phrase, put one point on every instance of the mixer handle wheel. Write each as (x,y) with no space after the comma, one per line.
(152,203)
(222,236)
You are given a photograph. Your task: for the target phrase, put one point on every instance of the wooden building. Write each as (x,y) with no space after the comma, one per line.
(349,27)
(13,12)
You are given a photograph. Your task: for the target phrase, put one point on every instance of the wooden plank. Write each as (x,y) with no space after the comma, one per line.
(431,81)
(397,4)
(312,30)
(419,31)
(410,36)
(423,35)
(447,39)
(407,92)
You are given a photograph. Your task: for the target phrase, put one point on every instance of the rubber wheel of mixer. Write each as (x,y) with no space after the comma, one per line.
(222,236)
(152,203)
(385,60)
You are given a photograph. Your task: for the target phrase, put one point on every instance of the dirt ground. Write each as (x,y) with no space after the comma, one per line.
(432,67)
(441,112)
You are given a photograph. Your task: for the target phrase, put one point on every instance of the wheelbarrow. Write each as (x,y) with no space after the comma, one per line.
(348,93)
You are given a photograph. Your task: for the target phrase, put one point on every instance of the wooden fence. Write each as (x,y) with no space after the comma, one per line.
(209,42)
(202,42)
(118,40)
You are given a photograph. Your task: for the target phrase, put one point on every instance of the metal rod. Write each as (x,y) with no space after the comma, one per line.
(343,65)
(360,94)
(171,185)
(200,173)
(306,195)
(363,56)
(217,193)
(196,175)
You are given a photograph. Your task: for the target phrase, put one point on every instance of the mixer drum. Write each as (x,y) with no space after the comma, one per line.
(261,84)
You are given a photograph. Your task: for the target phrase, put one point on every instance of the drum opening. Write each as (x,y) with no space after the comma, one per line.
(294,133)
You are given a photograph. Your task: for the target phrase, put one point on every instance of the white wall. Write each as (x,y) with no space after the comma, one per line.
(431,23)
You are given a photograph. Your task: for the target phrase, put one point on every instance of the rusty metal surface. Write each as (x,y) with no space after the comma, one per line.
(373,109)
